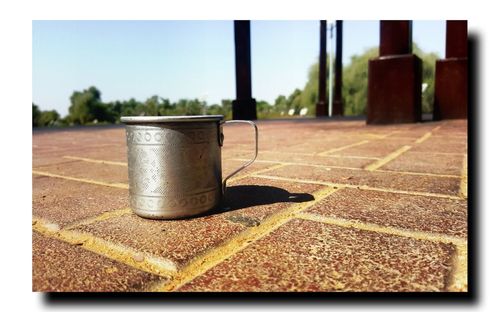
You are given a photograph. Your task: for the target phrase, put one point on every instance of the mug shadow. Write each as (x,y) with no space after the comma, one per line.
(246,196)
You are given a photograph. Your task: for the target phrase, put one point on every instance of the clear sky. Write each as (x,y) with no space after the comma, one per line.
(186,59)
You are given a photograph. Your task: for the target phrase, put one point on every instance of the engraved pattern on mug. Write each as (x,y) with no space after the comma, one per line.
(173,167)
(159,204)
(147,135)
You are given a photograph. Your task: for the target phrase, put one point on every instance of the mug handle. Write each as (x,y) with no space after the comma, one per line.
(248,163)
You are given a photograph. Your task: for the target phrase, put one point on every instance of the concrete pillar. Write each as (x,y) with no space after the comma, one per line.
(321,105)
(451,84)
(395,77)
(244,107)
(338,105)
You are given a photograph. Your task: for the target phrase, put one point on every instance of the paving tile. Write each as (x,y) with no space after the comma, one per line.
(389,180)
(72,147)
(63,201)
(408,212)
(375,148)
(116,153)
(442,145)
(309,256)
(415,131)
(43,160)
(229,165)
(301,255)
(308,159)
(177,240)
(249,201)
(321,145)
(87,170)
(59,266)
(426,162)
(453,127)
(77,136)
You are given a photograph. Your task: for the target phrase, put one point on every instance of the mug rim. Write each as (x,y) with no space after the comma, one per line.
(166,119)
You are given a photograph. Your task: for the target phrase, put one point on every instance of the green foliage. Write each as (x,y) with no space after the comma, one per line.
(43,118)
(309,95)
(225,109)
(280,104)
(48,118)
(86,107)
(355,83)
(294,100)
(428,72)
(189,107)
(36,114)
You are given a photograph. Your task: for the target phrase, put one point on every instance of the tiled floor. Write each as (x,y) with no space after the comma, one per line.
(327,206)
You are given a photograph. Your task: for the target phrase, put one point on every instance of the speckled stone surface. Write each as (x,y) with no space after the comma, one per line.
(320,145)
(427,162)
(229,166)
(375,148)
(59,266)
(63,201)
(309,256)
(116,153)
(444,144)
(175,240)
(390,180)
(251,200)
(408,212)
(87,170)
(40,159)
(349,162)
(248,203)
(300,255)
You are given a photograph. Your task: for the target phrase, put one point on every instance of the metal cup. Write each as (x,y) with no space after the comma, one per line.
(174,164)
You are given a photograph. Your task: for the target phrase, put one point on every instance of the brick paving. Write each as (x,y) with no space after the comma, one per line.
(327,206)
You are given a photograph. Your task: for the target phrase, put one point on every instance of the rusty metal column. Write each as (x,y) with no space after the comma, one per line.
(451,88)
(395,77)
(244,107)
(338,106)
(321,107)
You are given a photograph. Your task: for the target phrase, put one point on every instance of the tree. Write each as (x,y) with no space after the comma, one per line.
(428,74)
(153,106)
(263,108)
(36,114)
(189,107)
(215,109)
(130,107)
(83,104)
(280,104)
(86,106)
(43,118)
(355,83)
(294,100)
(48,118)
(102,112)
(165,107)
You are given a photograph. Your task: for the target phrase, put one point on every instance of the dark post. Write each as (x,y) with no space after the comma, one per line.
(456,39)
(395,38)
(244,107)
(451,89)
(395,77)
(321,107)
(338,106)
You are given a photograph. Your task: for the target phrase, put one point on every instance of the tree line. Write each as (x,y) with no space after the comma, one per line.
(86,107)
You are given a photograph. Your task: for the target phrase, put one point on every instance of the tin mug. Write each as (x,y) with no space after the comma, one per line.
(174,164)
